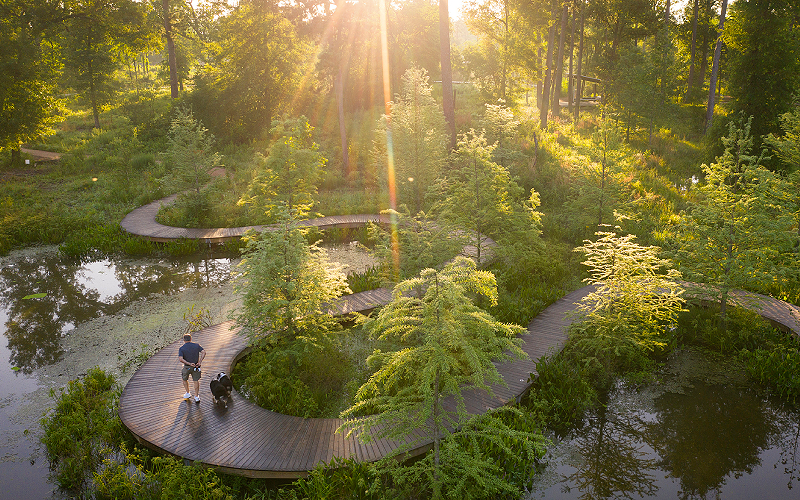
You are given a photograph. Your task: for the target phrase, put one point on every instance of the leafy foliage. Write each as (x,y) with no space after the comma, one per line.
(636,298)
(414,139)
(735,233)
(446,343)
(490,457)
(764,62)
(97,32)
(286,285)
(27,90)
(254,70)
(561,389)
(300,378)
(480,198)
(82,424)
(414,244)
(286,181)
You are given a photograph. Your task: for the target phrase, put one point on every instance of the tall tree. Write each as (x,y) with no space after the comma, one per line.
(712,85)
(579,68)
(480,198)
(286,181)
(763,41)
(693,47)
(171,57)
(190,157)
(558,67)
(28,68)
(286,285)
(732,236)
(448,101)
(419,143)
(504,29)
(254,71)
(547,84)
(446,345)
(637,291)
(96,33)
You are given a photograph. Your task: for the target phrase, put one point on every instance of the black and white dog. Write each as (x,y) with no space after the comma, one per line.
(221,387)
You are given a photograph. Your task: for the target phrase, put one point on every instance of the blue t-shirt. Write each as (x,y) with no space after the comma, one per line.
(190,352)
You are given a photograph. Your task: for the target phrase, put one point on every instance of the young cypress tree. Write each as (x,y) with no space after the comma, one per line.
(446,344)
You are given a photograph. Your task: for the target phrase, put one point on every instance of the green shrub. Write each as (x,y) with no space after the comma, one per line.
(367,280)
(298,378)
(170,478)
(81,427)
(561,389)
(778,368)
(114,481)
(605,350)
(344,479)
(745,330)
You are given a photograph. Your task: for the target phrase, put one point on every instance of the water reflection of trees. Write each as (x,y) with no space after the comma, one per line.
(34,326)
(709,433)
(614,465)
(788,441)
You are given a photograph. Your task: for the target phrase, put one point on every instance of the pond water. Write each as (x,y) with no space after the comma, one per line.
(42,300)
(687,437)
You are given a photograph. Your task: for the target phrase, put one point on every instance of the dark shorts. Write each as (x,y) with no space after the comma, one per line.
(186,370)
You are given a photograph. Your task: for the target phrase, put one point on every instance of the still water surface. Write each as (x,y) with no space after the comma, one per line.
(694,440)
(43,298)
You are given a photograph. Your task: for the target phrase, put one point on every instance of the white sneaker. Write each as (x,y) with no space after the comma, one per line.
(197,399)
(187,396)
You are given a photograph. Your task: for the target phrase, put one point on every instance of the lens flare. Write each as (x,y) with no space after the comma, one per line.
(387,98)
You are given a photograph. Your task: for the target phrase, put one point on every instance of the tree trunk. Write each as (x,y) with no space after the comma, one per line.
(92,93)
(712,85)
(338,89)
(603,175)
(539,83)
(570,87)
(690,79)
(448,104)
(700,78)
(16,157)
(504,81)
(578,81)
(559,64)
(436,422)
(548,72)
(173,66)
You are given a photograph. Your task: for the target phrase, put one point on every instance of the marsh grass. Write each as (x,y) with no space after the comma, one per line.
(83,423)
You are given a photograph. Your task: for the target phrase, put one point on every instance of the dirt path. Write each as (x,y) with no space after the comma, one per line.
(41,155)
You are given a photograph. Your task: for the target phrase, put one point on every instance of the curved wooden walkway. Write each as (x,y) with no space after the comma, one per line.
(248,440)
(142,222)
(251,441)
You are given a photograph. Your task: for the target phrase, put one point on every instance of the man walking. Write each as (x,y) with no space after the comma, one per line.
(191,355)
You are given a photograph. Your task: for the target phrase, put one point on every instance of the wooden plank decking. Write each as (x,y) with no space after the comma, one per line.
(142,222)
(251,441)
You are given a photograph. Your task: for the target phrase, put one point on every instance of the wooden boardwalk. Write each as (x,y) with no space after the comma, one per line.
(248,440)
(251,441)
(142,222)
